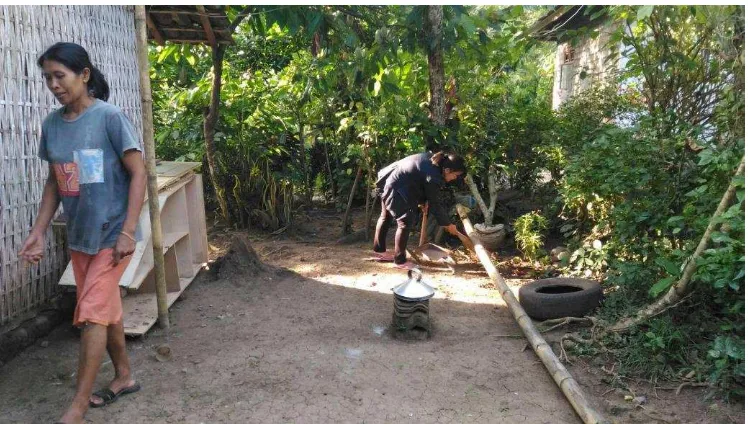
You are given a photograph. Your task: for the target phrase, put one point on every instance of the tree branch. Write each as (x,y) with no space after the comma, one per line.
(478,198)
(682,287)
(239,18)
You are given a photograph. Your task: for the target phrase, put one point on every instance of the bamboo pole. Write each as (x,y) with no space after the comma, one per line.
(150,165)
(560,375)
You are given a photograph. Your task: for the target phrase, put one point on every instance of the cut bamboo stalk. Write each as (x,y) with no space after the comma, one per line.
(150,165)
(560,375)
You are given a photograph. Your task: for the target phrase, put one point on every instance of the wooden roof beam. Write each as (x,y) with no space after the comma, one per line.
(185,12)
(197,29)
(194,41)
(154,29)
(206,26)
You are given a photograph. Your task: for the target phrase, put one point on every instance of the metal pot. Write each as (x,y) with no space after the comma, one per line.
(414,290)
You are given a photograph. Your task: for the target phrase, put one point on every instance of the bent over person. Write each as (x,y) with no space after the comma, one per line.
(404,185)
(96,170)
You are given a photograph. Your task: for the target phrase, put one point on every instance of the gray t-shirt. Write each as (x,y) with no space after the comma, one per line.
(86,155)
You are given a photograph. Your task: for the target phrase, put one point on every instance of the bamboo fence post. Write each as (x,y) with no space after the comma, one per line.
(150,165)
(560,375)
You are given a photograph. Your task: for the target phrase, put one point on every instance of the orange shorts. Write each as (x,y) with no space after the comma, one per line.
(97,284)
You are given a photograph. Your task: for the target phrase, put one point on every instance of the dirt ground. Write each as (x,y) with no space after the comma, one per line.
(307,340)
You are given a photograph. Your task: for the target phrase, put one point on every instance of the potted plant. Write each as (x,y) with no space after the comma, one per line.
(491,236)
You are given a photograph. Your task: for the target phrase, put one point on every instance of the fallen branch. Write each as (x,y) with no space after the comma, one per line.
(560,322)
(276,232)
(677,391)
(682,287)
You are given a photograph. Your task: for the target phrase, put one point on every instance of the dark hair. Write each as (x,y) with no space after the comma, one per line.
(76,59)
(451,161)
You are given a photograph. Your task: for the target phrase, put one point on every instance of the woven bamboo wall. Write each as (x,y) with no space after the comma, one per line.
(108,34)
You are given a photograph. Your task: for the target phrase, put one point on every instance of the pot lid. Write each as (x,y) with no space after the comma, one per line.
(414,289)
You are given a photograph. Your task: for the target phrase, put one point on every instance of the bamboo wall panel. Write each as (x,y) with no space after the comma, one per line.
(108,34)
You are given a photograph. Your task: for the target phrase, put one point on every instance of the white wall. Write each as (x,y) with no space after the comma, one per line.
(591,64)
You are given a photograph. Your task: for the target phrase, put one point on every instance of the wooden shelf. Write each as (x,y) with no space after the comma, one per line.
(141,311)
(170,239)
(185,244)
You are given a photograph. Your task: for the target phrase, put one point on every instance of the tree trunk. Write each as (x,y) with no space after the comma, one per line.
(304,164)
(682,287)
(370,181)
(209,127)
(350,200)
(333,184)
(369,204)
(478,198)
(437,103)
(493,195)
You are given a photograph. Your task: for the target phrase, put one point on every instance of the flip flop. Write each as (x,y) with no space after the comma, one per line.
(380,257)
(406,265)
(108,396)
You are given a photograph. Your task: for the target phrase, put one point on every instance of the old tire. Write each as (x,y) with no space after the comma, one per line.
(560,297)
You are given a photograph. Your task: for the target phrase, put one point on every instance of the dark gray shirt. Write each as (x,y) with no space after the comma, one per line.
(86,156)
(416,180)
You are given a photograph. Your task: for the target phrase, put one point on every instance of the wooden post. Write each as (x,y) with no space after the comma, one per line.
(424,229)
(150,165)
(350,200)
(563,379)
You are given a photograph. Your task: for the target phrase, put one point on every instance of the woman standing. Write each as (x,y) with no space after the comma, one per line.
(404,185)
(96,170)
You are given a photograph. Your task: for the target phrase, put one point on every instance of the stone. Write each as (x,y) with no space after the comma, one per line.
(559,253)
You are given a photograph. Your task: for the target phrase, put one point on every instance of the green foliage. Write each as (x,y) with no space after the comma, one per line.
(727,364)
(662,351)
(644,169)
(528,233)
(637,166)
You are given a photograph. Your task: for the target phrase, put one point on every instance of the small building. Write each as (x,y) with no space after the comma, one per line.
(583,56)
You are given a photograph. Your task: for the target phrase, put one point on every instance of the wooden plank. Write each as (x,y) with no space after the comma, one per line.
(196,30)
(169,173)
(135,278)
(154,29)
(175,169)
(183,250)
(196,219)
(170,239)
(141,312)
(185,12)
(207,26)
(198,41)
